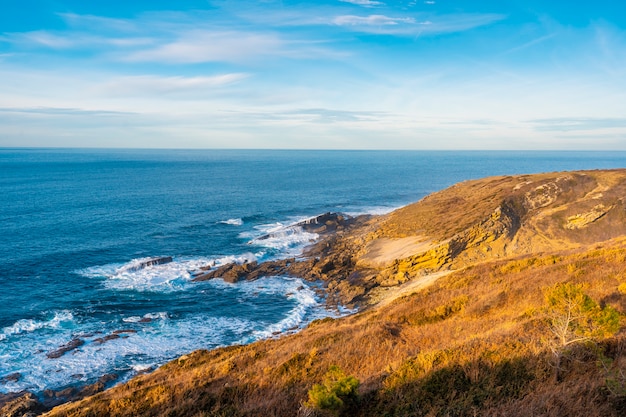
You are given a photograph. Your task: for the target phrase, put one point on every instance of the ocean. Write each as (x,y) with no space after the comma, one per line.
(76,224)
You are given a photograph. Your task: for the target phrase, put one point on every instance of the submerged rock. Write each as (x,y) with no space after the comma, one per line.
(14,377)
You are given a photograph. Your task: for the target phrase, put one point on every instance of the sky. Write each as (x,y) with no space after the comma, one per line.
(325,74)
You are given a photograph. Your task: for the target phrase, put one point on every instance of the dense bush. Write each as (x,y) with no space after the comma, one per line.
(334,392)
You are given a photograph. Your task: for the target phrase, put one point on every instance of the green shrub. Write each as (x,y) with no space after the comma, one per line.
(574,317)
(332,394)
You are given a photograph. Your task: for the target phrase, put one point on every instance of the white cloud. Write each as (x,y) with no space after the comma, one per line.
(153,84)
(409,26)
(365,3)
(91,23)
(73,40)
(43,38)
(206,46)
(567,124)
(371,20)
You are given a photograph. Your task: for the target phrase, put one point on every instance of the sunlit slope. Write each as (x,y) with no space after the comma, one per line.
(473,339)
(498,218)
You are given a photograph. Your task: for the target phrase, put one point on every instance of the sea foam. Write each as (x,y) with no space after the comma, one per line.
(29,325)
(169,277)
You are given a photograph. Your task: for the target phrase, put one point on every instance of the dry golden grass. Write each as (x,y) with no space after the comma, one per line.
(473,342)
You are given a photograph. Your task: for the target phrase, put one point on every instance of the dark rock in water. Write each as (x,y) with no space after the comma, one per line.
(20,405)
(323,224)
(52,398)
(232,272)
(124,331)
(150,262)
(62,350)
(106,338)
(108,378)
(115,335)
(14,377)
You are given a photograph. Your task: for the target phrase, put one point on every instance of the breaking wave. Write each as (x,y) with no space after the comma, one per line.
(233,222)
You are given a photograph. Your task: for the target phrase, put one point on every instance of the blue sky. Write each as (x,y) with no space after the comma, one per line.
(341,74)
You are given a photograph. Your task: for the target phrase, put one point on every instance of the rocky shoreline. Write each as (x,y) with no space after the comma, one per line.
(494,237)
(320,261)
(331,260)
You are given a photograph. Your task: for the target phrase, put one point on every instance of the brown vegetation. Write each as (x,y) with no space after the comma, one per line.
(476,341)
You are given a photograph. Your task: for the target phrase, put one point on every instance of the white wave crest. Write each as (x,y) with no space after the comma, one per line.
(30,325)
(374,210)
(297,316)
(169,277)
(146,317)
(233,222)
(289,239)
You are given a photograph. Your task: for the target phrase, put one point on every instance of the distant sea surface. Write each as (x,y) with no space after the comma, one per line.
(75,224)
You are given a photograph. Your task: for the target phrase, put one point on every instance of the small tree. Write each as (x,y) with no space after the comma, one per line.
(335,390)
(574,317)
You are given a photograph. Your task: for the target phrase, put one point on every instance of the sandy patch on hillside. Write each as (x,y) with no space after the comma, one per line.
(384,296)
(383,251)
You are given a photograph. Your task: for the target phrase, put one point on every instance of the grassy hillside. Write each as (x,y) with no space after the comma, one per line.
(477,338)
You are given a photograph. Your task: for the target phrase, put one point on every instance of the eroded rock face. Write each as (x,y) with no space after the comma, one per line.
(471,222)
(323,224)
(52,398)
(21,405)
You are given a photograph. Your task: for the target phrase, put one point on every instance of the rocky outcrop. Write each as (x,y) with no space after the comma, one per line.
(322,225)
(52,398)
(68,347)
(469,223)
(113,336)
(24,404)
(161,260)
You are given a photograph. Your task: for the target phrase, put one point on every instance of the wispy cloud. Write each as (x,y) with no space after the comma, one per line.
(73,40)
(61,111)
(152,84)
(365,3)
(99,23)
(44,39)
(532,42)
(410,26)
(372,20)
(567,124)
(321,115)
(209,46)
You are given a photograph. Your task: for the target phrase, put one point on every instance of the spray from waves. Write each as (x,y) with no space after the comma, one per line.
(305,310)
(142,342)
(168,277)
(233,222)
(146,347)
(284,239)
(146,318)
(58,319)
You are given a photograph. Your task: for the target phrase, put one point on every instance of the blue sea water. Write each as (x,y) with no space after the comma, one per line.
(74,222)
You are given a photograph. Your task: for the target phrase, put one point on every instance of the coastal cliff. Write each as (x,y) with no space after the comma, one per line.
(453,313)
